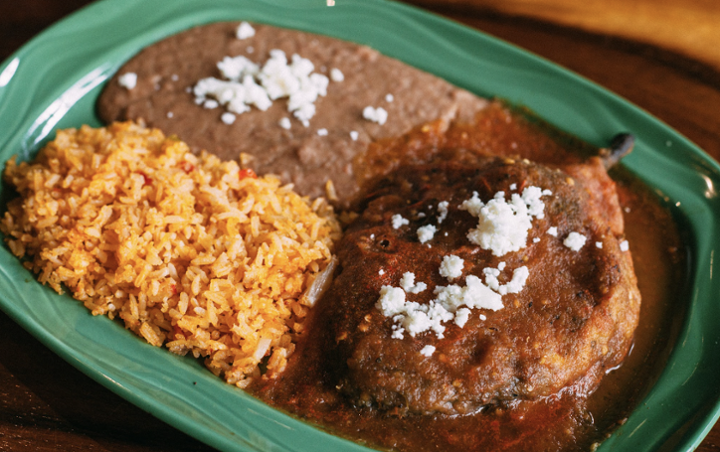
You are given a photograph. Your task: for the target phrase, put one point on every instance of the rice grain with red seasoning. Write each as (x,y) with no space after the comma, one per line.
(189,251)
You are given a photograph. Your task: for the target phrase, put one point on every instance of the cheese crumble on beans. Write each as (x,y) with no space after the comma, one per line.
(245,84)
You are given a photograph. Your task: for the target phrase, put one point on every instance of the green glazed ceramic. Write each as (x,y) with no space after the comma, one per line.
(53,82)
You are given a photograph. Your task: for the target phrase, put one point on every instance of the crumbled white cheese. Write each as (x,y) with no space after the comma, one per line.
(378,115)
(536,240)
(426,233)
(442,211)
(354,135)
(227,118)
(624,245)
(575,241)
(414,318)
(491,278)
(479,296)
(598,245)
(428,350)
(398,220)
(417,318)
(210,104)
(336,75)
(254,95)
(389,98)
(381,272)
(322,132)
(516,283)
(246,85)
(531,196)
(285,123)
(454,302)
(170,115)
(519,278)
(407,282)
(482,317)
(452,266)
(244,31)
(128,80)
(503,226)
(392,301)
(553,231)
(474,295)
(235,68)
(462,316)
(513,187)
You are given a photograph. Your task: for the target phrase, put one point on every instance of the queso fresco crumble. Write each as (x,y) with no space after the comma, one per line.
(244,84)
(502,228)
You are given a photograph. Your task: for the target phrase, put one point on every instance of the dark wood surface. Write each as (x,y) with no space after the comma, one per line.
(47,405)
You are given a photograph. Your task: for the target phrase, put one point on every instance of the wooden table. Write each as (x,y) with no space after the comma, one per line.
(624,45)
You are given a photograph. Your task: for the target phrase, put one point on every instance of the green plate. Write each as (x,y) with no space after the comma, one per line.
(53,82)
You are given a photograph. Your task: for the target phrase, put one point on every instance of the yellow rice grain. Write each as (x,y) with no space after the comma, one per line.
(182,248)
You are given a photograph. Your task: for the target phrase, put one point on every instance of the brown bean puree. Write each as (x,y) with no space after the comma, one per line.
(299,155)
(347,375)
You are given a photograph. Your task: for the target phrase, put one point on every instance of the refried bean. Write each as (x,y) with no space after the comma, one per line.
(299,155)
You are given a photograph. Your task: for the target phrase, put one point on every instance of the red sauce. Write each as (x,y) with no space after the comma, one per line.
(564,422)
